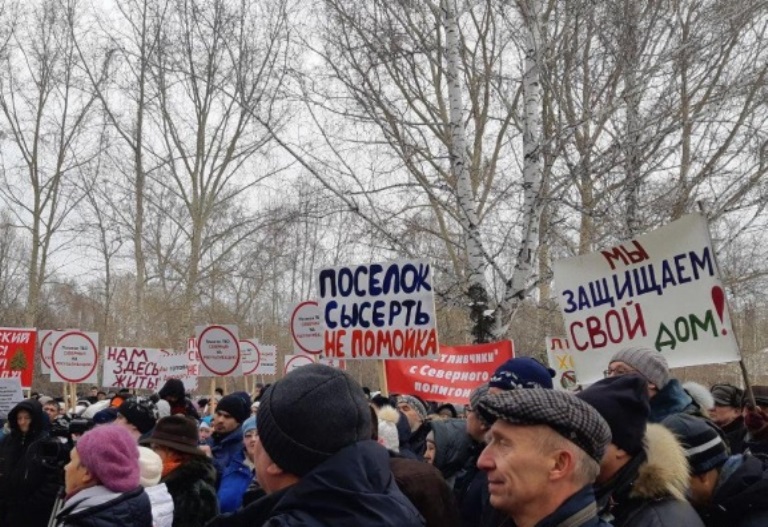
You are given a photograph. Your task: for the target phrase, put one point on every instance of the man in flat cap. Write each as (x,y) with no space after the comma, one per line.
(542,457)
(727,414)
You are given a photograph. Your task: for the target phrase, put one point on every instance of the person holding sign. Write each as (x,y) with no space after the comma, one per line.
(667,394)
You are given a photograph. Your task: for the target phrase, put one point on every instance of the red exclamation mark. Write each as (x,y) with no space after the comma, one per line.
(718,298)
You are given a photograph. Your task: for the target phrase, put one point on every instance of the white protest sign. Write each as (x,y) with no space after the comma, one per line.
(131,367)
(182,366)
(74,357)
(46,349)
(267,360)
(250,356)
(296,361)
(661,291)
(560,358)
(10,395)
(307,328)
(379,311)
(219,350)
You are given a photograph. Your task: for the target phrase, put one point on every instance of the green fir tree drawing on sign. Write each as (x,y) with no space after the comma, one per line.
(19,360)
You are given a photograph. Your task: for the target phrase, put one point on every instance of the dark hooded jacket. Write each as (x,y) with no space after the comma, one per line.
(181,404)
(673,399)
(453,447)
(192,487)
(735,433)
(471,489)
(354,488)
(30,469)
(740,498)
(650,490)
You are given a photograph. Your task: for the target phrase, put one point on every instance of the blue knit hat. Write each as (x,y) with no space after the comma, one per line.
(249,424)
(522,372)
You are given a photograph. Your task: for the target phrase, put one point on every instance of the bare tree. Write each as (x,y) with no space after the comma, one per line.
(217,65)
(45,110)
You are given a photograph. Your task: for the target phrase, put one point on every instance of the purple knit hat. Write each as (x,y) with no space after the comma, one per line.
(111,454)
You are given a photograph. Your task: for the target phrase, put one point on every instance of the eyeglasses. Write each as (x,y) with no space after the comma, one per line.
(613,372)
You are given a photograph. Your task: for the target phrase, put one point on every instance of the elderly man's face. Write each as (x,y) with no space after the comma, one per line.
(517,467)
(414,418)
(724,415)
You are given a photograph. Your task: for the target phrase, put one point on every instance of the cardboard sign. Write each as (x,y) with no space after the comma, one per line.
(661,291)
(453,376)
(307,327)
(560,358)
(267,360)
(182,366)
(130,367)
(74,357)
(250,356)
(17,354)
(10,395)
(379,311)
(219,350)
(296,361)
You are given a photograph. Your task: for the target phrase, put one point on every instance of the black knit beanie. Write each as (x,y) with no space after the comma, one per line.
(235,406)
(309,415)
(623,403)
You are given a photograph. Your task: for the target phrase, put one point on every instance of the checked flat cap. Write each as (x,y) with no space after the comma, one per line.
(570,417)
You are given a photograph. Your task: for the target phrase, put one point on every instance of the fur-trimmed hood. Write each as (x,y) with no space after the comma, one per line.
(664,474)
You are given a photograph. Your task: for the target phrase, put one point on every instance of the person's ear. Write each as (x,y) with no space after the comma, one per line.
(562,465)
(274,470)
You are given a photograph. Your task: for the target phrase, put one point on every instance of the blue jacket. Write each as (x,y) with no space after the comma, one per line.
(234,482)
(354,488)
(224,449)
(129,509)
(672,399)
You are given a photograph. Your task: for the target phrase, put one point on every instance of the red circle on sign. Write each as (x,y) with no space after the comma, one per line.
(297,357)
(202,359)
(293,333)
(42,348)
(258,356)
(53,356)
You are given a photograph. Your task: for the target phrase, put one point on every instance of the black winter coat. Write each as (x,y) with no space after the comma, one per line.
(192,487)
(30,470)
(129,509)
(741,497)
(354,488)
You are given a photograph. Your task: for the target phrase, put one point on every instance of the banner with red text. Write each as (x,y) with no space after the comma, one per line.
(182,366)
(378,311)
(661,290)
(17,354)
(451,377)
(132,367)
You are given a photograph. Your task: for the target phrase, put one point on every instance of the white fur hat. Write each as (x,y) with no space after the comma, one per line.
(150,467)
(388,436)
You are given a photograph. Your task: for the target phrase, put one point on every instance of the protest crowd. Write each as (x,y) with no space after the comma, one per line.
(635,449)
